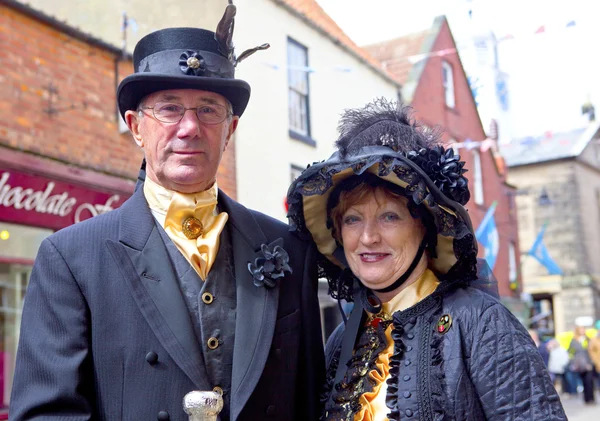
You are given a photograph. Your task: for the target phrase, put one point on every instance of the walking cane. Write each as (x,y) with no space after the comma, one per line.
(202,406)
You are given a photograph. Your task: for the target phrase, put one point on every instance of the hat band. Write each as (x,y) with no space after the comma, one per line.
(187,63)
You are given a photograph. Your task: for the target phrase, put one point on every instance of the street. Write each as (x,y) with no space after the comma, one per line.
(577,411)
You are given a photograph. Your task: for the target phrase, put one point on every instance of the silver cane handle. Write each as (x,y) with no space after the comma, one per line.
(202,406)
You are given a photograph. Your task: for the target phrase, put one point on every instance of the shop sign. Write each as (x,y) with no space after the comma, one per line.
(39,201)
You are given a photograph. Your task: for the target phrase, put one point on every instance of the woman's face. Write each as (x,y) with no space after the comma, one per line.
(380,239)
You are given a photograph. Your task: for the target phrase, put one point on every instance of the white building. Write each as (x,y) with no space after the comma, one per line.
(300,86)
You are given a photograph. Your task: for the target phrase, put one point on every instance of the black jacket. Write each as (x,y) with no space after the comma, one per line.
(106,334)
(485,367)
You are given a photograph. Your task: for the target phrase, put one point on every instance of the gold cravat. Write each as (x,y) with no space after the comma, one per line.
(201,252)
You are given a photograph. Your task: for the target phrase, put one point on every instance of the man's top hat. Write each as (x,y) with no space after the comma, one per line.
(187,58)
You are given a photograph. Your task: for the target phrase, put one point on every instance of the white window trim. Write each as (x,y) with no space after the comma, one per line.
(302,125)
(448,83)
(512,262)
(477,178)
(122,125)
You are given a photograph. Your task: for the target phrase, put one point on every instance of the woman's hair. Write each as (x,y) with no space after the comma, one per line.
(357,188)
(349,198)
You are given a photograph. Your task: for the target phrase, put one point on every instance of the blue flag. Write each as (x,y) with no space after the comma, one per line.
(487,235)
(540,253)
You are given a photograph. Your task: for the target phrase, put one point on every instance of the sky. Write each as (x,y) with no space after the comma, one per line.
(551,74)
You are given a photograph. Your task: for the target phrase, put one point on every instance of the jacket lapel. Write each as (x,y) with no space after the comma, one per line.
(256,306)
(143,260)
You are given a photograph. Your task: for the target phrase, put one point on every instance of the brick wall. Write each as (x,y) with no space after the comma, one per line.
(36,56)
(460,123)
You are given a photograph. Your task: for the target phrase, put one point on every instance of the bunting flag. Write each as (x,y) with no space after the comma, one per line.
(487,235)
(413,59)
(469,144)
(439,53)
(541,30)
(540,253)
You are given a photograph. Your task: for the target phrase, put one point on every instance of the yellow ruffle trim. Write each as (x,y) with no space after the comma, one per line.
(369,405)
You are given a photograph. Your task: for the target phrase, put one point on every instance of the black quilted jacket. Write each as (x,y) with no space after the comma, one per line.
(485,367)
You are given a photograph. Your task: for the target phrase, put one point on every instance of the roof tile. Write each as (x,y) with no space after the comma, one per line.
(393,54)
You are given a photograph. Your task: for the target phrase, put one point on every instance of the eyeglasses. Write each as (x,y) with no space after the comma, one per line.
(171,112)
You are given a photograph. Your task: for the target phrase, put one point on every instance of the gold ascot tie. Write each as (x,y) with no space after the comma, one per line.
(194,226)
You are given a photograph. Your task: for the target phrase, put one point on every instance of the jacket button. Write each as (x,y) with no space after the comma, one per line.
(409,348)
(407,394)
(407,363)
(152,358)
(410,336)
(271,410)
(163,416)
(406,378)
(412,320)
(207,298)
(408,413)
(212,343)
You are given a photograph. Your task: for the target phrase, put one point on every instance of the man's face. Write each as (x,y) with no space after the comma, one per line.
(182,156)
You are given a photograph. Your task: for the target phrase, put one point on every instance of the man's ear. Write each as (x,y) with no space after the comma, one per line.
(231,129)
(133,120)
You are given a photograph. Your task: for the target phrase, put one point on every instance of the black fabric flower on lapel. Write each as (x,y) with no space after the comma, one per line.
(192,63)
(445,170)
(271,264)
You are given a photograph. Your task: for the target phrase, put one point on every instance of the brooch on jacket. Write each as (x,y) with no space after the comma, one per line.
(271,264)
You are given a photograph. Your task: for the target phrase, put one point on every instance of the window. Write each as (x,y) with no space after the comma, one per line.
(122,125)
(448,82)
(295,172)
(18,248)
(298,71)
(477,178)
(512,263)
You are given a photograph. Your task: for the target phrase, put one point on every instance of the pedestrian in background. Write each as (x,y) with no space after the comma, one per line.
(581,363)
(558,360)
(594,350)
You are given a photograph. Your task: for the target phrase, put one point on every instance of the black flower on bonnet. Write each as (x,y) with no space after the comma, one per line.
(386,123)
(445,169)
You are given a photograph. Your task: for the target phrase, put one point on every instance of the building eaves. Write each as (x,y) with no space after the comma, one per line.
(64,27)
(315,17)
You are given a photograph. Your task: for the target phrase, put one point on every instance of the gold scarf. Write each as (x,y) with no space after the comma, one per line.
(175,208)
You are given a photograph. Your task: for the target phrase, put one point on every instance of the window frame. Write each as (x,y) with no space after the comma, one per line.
(513,265)
(297,132)
(448,85)
(478,191)
(295,171)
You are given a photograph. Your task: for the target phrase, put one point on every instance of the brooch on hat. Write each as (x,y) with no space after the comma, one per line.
(192,63)
(271,264)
